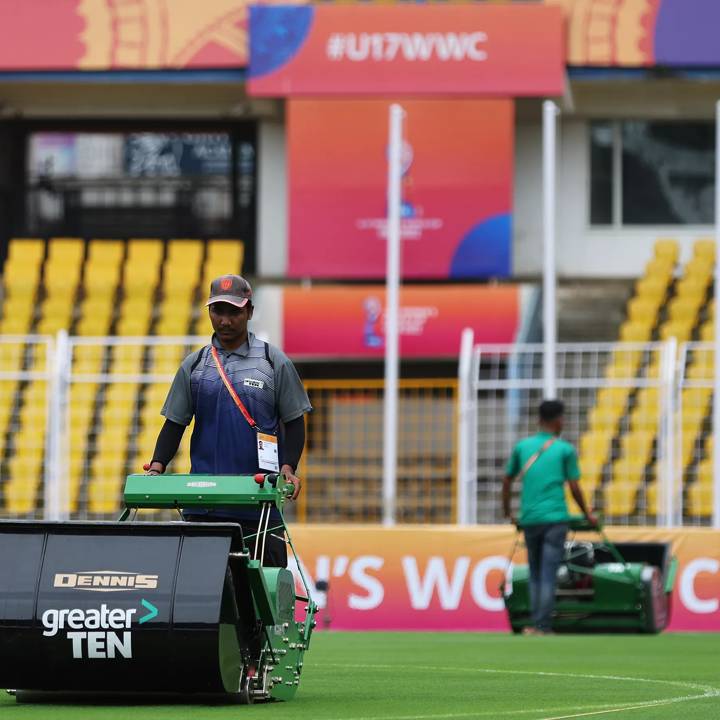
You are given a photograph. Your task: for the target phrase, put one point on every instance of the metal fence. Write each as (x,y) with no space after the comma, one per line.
(26,474)
(343,460)
(79,413)
(640,415)
(694,438)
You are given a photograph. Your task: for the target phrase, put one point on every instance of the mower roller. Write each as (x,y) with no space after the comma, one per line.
(601,586)
(158,608)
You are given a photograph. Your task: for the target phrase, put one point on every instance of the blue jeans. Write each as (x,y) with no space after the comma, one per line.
(545,545)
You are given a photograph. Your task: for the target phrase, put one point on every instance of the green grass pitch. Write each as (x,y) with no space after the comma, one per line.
(444,676)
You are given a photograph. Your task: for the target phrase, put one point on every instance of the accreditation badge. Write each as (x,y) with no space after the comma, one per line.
(268,458)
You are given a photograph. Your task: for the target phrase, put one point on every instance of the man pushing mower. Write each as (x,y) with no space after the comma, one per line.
(543,463)
(248,403)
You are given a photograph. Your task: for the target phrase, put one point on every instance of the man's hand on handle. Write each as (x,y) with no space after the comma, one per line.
(154,468)
(290,476)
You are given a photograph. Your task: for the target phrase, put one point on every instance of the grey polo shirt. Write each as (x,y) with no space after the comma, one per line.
(291,399)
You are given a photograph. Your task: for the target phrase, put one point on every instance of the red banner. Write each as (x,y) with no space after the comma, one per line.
(448,578)
(406,49)
(456,193)
(334,321)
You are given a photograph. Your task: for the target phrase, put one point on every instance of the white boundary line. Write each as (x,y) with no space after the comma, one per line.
(705,691)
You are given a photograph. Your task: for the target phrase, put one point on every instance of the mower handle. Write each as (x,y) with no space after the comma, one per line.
(579,523)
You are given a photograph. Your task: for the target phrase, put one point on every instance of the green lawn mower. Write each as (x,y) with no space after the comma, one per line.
(602,587)
(179,609)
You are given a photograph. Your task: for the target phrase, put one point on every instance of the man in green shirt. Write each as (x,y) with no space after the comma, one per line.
(544,463)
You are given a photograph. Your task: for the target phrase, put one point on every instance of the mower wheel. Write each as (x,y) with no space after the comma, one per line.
(246,694)
(655,600)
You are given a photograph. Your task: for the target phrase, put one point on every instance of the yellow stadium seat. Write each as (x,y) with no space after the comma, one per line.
(644,418)
(667,248)
(707,331)
(643,310)
(619,498)
(696,397)
(185,254)
(700,500)
(157,392)
(681,331)
(636,453)
(698,268)
(25,472)
(104,493)
(605,419)
(133,325)
(704,248)
(122,394)
(177,325)
(147,252)
(660,268)
(127,359)
(701,372)
(15,325)
(26,250)
(648,397)
(623,365)
(693,286)
(106,252)
(652,288)
(89,364)
(595,444)
(684,309)
(635,331)
(637,446)
(62,248)
(94,324)
(167,357)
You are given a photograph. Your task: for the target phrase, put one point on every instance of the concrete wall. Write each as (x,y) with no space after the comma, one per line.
(272,200)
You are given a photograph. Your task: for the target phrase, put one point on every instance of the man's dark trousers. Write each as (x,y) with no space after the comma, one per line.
(545,546)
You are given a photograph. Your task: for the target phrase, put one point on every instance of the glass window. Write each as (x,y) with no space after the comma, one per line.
(601,173)
(155,184)
(657,172)
(668,174)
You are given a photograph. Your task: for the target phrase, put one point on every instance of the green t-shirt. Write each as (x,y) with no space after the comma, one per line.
(542,499)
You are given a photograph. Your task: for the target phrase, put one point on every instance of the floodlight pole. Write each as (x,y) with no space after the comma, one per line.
(392,315)
(716,393)
(550,114)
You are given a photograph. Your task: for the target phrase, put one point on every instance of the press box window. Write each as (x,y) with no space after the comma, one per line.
(652,173)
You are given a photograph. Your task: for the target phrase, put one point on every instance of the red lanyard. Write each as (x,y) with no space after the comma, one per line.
(230,388)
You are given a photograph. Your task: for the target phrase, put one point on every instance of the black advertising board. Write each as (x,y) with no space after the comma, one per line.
(118,606)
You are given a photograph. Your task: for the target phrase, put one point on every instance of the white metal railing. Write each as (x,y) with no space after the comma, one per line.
(500,387)
(57,420)
(27,480)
